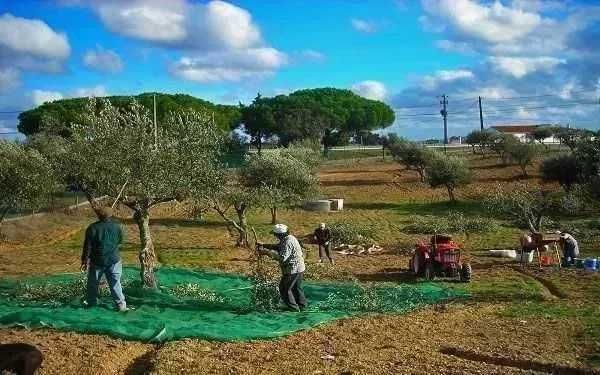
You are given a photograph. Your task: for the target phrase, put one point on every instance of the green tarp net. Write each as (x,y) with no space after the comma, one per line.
(197,304)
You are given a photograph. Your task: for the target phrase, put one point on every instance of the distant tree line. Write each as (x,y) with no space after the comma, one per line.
(58,116)
(329,115)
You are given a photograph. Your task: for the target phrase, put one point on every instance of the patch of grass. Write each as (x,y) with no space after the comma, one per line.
(453,222)
(506,288)
(354,233)
(187,257)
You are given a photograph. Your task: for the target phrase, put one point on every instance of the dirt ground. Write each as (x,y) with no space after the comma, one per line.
(515,322)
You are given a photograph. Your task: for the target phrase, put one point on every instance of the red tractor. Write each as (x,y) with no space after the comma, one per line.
(441,257)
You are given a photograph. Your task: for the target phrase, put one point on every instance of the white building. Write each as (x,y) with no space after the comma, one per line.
(523,132)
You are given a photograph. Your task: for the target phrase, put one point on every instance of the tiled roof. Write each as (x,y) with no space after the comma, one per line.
(515,128)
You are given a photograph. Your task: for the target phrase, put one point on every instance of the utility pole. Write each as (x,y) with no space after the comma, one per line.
(444,113)
(480,114)
(155,126)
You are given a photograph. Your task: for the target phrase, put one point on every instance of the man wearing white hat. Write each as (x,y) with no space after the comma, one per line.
(570,247)
(288,253)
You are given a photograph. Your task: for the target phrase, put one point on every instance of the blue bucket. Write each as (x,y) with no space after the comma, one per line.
(590,264)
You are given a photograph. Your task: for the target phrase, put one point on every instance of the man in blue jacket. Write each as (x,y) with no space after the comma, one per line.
(101,256)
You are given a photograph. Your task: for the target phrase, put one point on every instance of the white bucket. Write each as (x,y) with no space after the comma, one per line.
(524,257)
(504,253)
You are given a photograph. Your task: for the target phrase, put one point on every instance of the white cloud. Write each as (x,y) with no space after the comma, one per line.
(103,60)
(179,23)
(220,41)
(229,65)
(519,67)
(32,37)
(452,46)
(30,44)
(493,23)
(431,82)
(84,92)
(312,55)
(9,79)
(364,26)
(39,97)
(219,25)
(153,20)
(370,89)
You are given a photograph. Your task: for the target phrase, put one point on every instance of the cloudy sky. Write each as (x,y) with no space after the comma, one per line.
(531,61)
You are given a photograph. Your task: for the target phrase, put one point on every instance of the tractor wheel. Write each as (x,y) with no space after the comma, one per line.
(429,272)
(466,272)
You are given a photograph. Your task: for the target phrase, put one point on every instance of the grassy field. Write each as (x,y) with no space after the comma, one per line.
(514,322)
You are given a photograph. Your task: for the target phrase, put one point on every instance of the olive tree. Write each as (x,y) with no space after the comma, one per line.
(230,195)
(26,178)
(527,206)
(121,154)
(448,171)
(563,169)
(282,177)
(541,133)
(480,139)
(522,154)
(413,156)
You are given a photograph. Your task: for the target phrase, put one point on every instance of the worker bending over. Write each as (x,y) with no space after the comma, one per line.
(288,253)
(570,248)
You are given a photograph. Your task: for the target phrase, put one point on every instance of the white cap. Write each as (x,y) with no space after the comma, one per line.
(280,229)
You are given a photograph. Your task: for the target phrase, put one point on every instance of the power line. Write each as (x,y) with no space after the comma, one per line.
(538,96)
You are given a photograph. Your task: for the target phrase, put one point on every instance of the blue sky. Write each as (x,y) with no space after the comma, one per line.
(532,61)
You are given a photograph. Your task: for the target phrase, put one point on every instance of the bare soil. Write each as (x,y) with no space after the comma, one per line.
(416,343)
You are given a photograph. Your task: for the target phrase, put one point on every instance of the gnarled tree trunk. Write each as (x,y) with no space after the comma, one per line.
(273,215)
(147,255)
(451,193)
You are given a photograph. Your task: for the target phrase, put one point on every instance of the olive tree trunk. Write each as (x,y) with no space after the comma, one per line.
(147,255)
(273,215)
(451,193)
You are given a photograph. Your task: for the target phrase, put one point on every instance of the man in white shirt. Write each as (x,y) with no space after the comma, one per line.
(288,253)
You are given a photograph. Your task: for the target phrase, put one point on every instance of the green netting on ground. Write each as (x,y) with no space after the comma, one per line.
(196,304)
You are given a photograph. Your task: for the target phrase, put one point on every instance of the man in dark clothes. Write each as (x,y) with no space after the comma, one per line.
(323,237)
(288,253)
(22,359)
(101,257)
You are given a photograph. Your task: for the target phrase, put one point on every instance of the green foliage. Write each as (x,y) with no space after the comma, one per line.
(528,207)
(563,169)
(540,133)
(571,137)
(63,113)
(311,114)
(111,147)
(500,144)
(196,292)
(282,177)
(480,138)
(412,155)
(448,171)
(522,154)
(27,179)
(587,154)
(57,294)
(258,121)
(453,222)
(352,233)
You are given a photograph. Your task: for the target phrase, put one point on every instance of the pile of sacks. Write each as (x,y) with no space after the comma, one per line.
(357,249)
